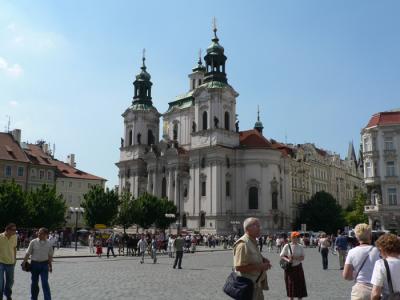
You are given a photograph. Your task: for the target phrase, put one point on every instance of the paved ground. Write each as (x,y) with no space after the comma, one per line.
(202,277)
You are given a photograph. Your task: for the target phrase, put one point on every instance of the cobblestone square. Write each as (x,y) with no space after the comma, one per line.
(202,277)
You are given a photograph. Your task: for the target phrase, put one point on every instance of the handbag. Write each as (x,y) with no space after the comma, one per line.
(239,287)
(284,264)
(26,266)
(392,294)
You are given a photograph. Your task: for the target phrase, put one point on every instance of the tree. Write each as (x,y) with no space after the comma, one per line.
(101,206)
(127,214)
(165,207)
(321,212)
(147,207)
(12,205)
(355,212)
(45,207)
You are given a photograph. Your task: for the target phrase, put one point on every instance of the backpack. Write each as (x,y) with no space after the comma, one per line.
(392,294)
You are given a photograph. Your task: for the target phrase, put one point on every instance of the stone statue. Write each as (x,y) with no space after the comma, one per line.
(216,121)
(193,126)
(138,138)
(122,142)
(237,125)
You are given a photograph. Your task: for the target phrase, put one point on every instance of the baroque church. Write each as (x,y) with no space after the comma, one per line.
(216,175)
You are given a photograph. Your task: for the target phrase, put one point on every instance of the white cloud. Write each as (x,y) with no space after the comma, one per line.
(14,70)
(13,103)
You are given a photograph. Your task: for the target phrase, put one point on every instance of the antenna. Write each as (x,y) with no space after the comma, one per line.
(7,127)
(54,150)
(285,137)
(214,24)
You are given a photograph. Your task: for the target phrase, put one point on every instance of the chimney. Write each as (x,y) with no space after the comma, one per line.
(16,133)
(71,160)
(45,148)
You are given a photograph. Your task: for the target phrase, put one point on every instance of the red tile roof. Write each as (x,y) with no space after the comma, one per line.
(37,156)
(253,139)
(384,118)
(285,149)
(10,149)
(67,171)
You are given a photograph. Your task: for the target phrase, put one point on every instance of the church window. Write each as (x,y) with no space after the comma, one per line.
(193,83)
(228,163)
(130,138)
(203,163)
(164,188)
(185,192)
(228,188)
(275,200)
(203,188)
(150,137)
(175,132)
(227,120)
(199,82)
(205,120)
(253,197)
(184,220)
(202,219)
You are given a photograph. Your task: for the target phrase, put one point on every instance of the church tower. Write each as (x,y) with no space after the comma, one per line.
(141,131)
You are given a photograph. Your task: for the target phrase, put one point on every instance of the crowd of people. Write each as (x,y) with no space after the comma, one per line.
(374,266)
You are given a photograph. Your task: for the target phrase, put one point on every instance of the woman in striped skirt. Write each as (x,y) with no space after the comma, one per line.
(294,276)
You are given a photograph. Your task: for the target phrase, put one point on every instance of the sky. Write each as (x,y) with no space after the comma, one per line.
(317,69)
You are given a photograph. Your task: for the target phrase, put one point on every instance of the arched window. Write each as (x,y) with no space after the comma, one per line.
(150,137)
(202,219)
(203,163)
(253,197)
(184,220)
(175,132)
(275,200)
(164,188)
(227,120)
(205,120)
(130,138)
(193,83)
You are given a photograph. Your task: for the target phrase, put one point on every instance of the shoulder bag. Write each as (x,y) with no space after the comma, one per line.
(392,294)
(284,263)
(363,263)
(239,287)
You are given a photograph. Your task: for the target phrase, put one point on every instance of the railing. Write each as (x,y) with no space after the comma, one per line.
(371,208)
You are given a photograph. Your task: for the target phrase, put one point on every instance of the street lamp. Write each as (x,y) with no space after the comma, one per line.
(76,211)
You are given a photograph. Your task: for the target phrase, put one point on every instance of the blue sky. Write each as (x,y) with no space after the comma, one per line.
(318,69)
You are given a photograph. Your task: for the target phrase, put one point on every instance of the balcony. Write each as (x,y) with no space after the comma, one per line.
(372,180)
(371,154)
(389,154)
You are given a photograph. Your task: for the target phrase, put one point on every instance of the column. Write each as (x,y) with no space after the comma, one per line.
(170,192)
(148,187)
(154,183)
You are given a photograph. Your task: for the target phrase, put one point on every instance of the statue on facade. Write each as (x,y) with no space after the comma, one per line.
(139,136)
(122,142)
(237,125)
(193,126)
(216,121)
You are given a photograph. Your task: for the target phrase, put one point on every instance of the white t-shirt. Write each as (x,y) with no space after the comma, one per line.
(379,277)
(356,256)
(297,250)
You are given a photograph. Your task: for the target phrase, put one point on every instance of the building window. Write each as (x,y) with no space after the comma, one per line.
(199,82)
(70,184)
(41,174)
(150,137)
(130,138)
(205,120)
(164,188)
(8,170)
(228,163)
(203,189)
(367,144)
(49,175)
(203,163)
(202,219)
(368,169)
(184,220)
(193,84)
(228,189)
(253,198)
(226,120)
(392,196)
(388,143)
(20,171)
(390,168)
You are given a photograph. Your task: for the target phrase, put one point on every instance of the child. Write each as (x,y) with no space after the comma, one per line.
(99,249)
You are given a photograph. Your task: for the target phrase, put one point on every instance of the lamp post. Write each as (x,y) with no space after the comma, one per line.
(76,211)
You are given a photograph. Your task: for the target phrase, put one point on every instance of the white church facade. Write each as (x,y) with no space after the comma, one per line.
(215,174)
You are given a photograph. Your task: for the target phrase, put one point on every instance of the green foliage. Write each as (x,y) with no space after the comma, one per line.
(165,207)
(45,207)
(101,206)
(147,207)
(127,213)
(12,205)
(355,212)
(321,212)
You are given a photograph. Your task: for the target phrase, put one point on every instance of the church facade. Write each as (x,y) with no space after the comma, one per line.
(215,174)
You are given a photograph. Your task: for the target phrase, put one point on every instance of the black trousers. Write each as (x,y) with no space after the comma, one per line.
(110,249)
(178,259)
(324,254)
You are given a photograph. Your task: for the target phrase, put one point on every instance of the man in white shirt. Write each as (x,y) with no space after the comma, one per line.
(142,246)
(41,252)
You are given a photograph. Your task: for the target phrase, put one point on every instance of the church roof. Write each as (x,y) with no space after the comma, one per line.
(65,170)
(253,139)
(385,118)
